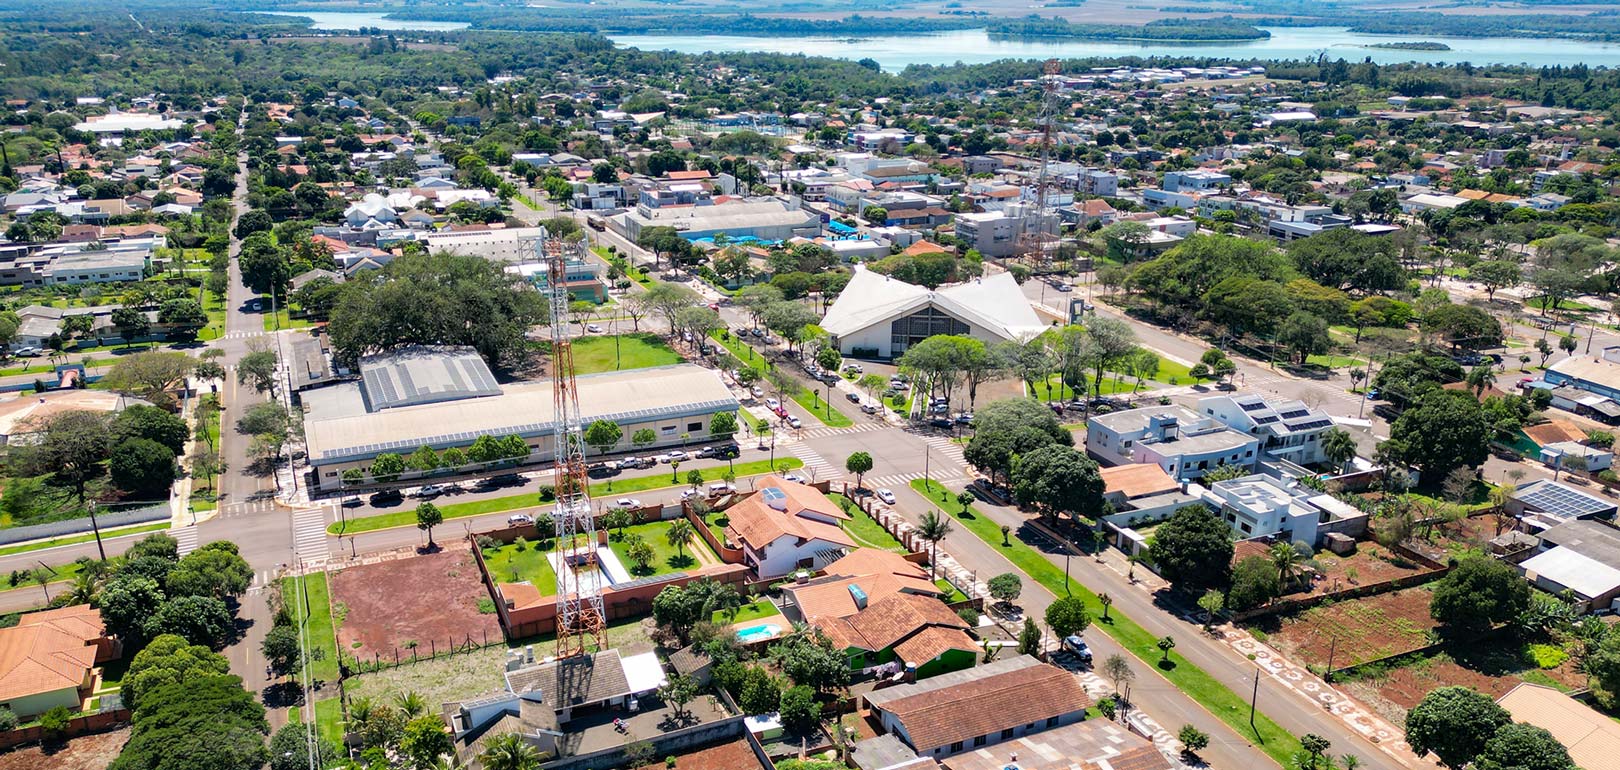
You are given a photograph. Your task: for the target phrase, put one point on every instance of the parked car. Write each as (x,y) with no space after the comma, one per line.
(795,422)
(627,502)
(853,368)
(519,519)
(886,495)
(728,451)
(756,391)
(869,409)
(593,328)
(965,418)
(429,491)
(794,477)
(386,497)
(942,422)
(854,398)
(1078,647)
(772,404)
(672,455)
(720,488)
(1065,288)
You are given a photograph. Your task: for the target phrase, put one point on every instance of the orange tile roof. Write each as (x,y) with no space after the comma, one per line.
(758,525)
(883,624)
(1137,480)
(49,651)
(874,561)
(983,706)
(686,176)
(923,247)
(933,642)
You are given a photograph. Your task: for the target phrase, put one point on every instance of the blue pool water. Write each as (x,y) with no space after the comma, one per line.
(758,633)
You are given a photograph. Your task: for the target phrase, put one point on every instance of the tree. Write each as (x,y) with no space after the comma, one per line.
(1006,587)
(1477,594)
(1254,582)
(143,468)
(210,721)
(200,620)
(1463,326)
(642,553)
(860,464)
(1029,638)
(184,317)
(932,529)
(1304,334)
(150,375)
(644,438)
(723,425)
(812,661)
(1117,668)
(760,693)
(215,570)
(1446,430)
(168,660)
(678,691)
(132,323)
(289,749)
(428,516)
(1496,274)
(281,649)
(509,752)
(1165,645)
(258,369)
(680,534)
(425,741)
(603,435)
(789,319)
(1338,447)
(1057,479)
(148,422)
(386,467)
(799,710)
(1521,746)
(1454,723)
(1067,616)
(70,446)
(1193,549)
(678,608)
(1193,739)
(1213,603)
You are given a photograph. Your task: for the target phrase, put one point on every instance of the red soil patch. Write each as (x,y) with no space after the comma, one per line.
(1365,629)
(86,752)
(727,756)
(1369,563)
(430,599)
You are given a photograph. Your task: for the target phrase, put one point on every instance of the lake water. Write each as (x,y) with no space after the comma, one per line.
(341,21)
(975,46)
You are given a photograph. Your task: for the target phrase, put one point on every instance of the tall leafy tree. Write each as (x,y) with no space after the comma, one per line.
(1193,549)
(1454,723)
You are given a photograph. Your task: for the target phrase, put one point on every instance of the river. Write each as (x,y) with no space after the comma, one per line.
(895,52)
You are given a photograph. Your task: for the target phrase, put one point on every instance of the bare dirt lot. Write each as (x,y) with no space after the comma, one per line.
(1354,631)
(1491,667)
(431,600)
(1369,563)
(86,752)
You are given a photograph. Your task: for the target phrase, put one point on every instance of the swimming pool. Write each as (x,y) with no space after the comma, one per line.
(758,633)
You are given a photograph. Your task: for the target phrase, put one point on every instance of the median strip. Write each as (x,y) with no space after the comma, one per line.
(1276,742)
(601,489)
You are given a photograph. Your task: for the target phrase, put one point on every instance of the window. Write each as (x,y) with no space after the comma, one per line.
(955,747)
(980,741)
(667,430)
(1051,721)
(694,426)
(1007,733)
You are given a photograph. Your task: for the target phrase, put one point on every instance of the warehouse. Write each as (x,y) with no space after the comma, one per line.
(349,424)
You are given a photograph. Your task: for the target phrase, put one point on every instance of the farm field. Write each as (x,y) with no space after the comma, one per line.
(1354,631)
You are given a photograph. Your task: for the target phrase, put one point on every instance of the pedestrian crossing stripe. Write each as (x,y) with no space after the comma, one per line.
(309,534)
(186,539)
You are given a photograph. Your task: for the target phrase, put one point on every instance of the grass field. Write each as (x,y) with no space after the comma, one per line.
(214,306)
(322,632)
(634,351)
(667,558)
(84,538)
(742,352)
(760,608)
(1054,389)
(812,403)
(1278,743)
(952,593)
(508,564)
(328,719)
(660,480)
(865,531)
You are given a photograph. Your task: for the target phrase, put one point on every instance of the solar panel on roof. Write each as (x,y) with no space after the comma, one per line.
(407,384)
(454,373)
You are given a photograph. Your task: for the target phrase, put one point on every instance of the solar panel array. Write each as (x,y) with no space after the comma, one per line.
(1561,501)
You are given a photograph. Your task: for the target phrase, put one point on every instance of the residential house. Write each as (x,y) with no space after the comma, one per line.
(49,659)
(919,634)
(1591,736)
(1544,503)
(864,577)
(786,526)
(1095,744)
(1263,506)
(540,699)
(995,233)
(1182,442)
(1288,430)
(973,708)
(1580,557)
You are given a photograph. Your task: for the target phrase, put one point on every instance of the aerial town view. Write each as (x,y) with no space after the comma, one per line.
(809,385)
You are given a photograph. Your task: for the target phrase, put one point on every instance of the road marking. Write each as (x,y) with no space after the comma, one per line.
(247,508)
(309,535)
(820,469)
(824,432)
(950,450)
(905,479)
(186,537)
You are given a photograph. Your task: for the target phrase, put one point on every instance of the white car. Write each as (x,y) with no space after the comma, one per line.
(593,328)
(627,502)
(519,519)
(756,391)
(772,404)
(793,477)
(795,422)
(431,490)
(886,495)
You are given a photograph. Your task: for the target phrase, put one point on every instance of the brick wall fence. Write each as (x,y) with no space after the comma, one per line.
(89,723)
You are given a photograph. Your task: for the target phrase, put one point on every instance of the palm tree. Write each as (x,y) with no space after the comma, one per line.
(1286,560)
(360,710)
(679,534)
(1481,379)
(509,752)
(933,529)
(1338,446)
(410,704)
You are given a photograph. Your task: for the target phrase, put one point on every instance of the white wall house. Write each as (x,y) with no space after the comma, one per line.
(785,526)
(1182,442)
(1288,430)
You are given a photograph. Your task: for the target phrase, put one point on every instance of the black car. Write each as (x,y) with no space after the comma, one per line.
(728,452)
(387,497)
(942,422)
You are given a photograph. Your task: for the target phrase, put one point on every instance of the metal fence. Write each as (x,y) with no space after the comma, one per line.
(107,520)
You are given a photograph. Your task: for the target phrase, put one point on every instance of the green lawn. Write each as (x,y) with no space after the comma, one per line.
(1335,361)
(811,402)
(202,501)
(214,306)
(282,319)
(760,608)
(322,633)
(328,719)
(666,557)
(634,351)
(660,480)
(633,273)
(64,573)
(509,565)
(1278,743)
(742,352)
(952,593)
(84,538)
(1054,389)
(865,531)
(716,522)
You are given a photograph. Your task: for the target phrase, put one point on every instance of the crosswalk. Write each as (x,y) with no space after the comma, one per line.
(309,535)
(262,579)
(186,537)
(823,432)
(240,335)
(247,508)
(943,447)
(819,468)
(893,480)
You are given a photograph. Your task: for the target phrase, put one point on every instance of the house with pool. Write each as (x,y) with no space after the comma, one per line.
(916,635)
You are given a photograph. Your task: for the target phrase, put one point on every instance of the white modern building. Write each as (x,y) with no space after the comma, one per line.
(995,233)
(1262,506)
(764,219)
(1288,430)
(881,317)
(1182,442)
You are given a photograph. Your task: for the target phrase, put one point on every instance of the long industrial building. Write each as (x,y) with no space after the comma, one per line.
(443,398)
